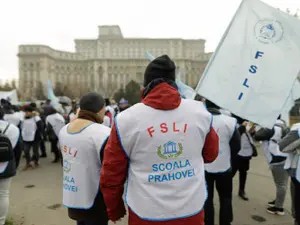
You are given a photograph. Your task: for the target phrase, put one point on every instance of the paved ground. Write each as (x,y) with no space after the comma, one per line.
(36,197)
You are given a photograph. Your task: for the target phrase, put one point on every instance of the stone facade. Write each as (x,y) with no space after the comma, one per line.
(105,64)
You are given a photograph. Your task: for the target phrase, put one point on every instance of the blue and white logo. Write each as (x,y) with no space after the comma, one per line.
(268,31)
(66,166)
(170,148)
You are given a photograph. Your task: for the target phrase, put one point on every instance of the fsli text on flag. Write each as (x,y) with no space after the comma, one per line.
(256,63)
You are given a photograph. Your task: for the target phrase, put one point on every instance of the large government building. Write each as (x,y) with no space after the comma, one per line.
(105,64)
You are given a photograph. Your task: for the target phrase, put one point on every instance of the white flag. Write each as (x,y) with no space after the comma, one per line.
(256,63)
(185,90)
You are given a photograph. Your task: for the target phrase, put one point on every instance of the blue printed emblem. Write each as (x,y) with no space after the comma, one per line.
(169,150)
(66,166)
(268,31)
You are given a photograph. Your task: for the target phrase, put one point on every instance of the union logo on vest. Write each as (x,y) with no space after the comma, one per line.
(268,31)
(170,150)
(66,166)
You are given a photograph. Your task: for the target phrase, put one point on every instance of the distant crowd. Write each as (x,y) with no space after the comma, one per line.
(37,124)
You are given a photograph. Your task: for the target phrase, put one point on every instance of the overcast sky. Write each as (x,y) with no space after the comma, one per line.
(58,22)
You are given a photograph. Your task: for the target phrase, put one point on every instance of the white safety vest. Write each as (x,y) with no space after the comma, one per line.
(106,121)
(166,173)
(29,128)
(246,145)
(81,164)
(271,147)
(12,119)
(57,122)
(225,127)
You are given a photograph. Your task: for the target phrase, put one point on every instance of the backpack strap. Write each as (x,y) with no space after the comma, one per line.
(6,128)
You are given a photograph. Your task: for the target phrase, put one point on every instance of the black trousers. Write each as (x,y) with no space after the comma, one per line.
(241,164)
(43,148)
(55,149)
(35,147)
(18,152)
(297,199)
(224,188)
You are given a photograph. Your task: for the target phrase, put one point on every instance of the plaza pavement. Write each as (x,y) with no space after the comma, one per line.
(36,197)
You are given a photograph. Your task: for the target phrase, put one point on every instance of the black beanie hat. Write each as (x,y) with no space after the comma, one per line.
(161,67)
(92,102)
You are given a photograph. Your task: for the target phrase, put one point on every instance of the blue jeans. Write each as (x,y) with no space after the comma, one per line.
(90,223)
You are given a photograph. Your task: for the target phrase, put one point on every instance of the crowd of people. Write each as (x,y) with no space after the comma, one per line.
(24,129)
(170,152)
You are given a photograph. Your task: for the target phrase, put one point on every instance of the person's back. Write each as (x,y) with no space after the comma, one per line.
(218,173)
(225,127)
(57,122)
(270,139)
(173,157)
(81,143)
(163,144)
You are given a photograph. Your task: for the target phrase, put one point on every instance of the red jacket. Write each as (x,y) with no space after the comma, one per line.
(115,163)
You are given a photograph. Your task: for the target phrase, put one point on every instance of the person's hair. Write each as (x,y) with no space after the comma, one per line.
(28,108)
(15,108)
(3,101)
(210,104)
(198,98)
(33,105)
(92,102)
(7,109)
(1,113)
(279,117)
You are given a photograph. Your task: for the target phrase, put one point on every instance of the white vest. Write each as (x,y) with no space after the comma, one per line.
(106,121)
(57,122)
(81,164)
(271,147)
(225,127)
(29,128)
(12,119)
(246,147)
(166,173)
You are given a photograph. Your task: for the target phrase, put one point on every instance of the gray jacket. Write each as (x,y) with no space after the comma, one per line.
(291,144)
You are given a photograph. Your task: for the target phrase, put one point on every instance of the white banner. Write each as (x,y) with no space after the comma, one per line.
(256,63)
(11,96)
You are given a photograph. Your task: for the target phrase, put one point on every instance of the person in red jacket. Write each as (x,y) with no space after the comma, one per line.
(160,146)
